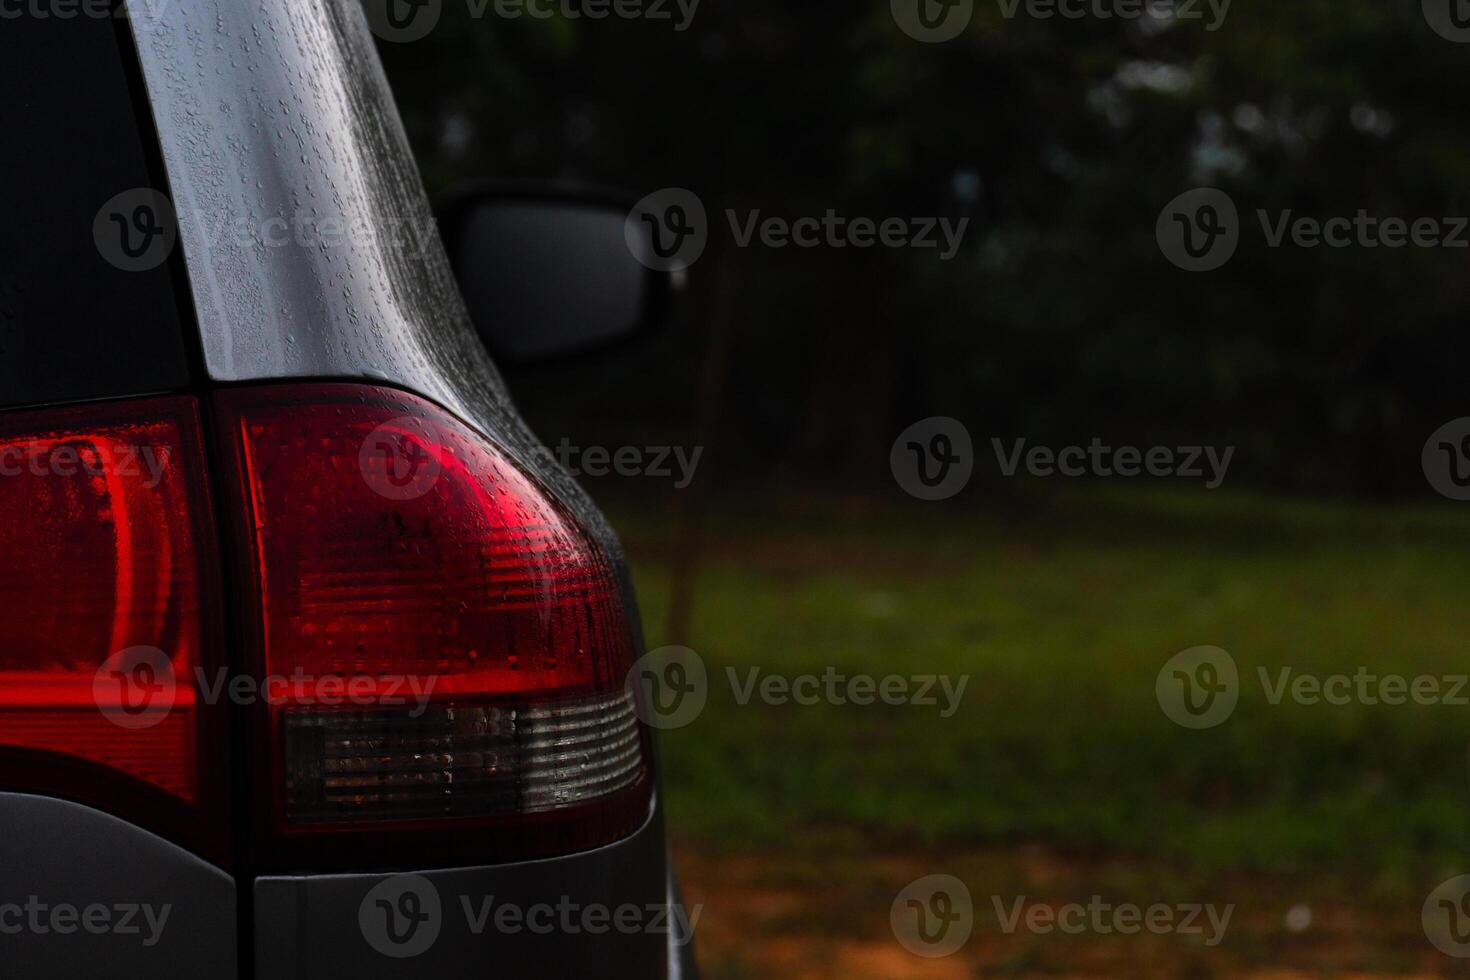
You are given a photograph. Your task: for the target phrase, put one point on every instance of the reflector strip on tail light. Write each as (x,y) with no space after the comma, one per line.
(451,645)
(456,761)
(106,588)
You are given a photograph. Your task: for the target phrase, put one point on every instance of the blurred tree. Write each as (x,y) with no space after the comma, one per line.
(1062,139)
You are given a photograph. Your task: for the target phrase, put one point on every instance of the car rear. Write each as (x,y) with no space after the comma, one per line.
(317,666)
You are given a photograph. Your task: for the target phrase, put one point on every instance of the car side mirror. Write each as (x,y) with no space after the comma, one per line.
(548,274)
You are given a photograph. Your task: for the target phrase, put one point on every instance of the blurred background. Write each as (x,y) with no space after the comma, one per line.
(1061,319)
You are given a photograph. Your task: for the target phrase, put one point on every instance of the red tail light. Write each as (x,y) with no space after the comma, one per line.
(444,646)
(107,591)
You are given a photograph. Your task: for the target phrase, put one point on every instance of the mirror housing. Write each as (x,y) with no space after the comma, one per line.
(547,272)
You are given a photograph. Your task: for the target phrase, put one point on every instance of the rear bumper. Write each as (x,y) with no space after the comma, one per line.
(611,912)
(84,894)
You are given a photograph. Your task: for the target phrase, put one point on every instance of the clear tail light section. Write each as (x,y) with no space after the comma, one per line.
(108,594)
(442,647)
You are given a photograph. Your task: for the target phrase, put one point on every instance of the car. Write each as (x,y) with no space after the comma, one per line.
(319,665)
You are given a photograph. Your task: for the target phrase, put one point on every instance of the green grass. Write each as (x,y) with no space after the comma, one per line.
(1063,614)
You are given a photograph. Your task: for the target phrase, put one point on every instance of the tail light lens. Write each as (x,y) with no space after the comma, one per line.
(442,646)
(107,592)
